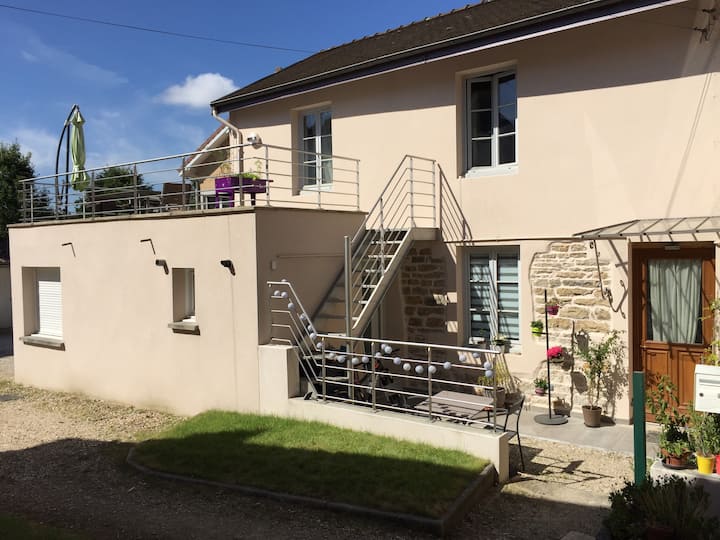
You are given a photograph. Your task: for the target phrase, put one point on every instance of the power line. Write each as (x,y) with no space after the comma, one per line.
(153,30)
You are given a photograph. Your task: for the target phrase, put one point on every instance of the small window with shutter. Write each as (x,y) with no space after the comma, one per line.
(43,306)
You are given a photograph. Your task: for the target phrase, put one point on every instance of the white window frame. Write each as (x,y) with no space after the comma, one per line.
(492,253)
(494,168)
(43,307)
(319,184)
(183,296)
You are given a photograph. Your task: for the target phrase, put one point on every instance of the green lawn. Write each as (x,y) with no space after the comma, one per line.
(17,528)
(313,459)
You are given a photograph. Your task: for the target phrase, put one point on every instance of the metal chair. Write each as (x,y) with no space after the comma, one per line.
(513,408)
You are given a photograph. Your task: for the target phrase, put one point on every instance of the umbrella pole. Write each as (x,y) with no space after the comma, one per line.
(59,195)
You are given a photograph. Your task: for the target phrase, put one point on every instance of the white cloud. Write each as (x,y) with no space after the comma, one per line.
(40,143)
(69,64)
(29,57)
(198,91)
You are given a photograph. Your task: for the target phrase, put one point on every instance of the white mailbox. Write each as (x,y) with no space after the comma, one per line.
(707,388)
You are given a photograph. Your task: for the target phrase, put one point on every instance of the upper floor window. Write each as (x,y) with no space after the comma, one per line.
(491,121)
(316,145)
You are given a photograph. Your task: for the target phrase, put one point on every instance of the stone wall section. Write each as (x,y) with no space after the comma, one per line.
(568,270)
(423,281)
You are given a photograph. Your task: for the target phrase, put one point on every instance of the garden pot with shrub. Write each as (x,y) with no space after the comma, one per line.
(592,415)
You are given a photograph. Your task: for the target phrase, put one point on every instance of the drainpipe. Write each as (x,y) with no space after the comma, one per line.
(238,135)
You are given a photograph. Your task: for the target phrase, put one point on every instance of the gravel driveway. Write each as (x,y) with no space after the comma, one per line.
(62,463)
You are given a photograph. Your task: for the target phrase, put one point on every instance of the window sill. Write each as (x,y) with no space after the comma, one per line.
(185,327)
(48,342)
(481,172)
(317,187)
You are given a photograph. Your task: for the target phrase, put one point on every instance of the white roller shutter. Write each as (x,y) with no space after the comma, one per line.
(49,302)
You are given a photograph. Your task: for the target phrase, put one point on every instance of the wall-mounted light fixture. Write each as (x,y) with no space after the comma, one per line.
(227,263)
(255,140)
(163,264)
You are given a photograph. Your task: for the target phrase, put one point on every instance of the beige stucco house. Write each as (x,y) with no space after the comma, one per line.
(569,146)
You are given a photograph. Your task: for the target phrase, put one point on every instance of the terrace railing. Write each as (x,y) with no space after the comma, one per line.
(230,176)
(435,381)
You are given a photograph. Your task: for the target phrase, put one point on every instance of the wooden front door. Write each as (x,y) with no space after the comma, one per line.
(673,286)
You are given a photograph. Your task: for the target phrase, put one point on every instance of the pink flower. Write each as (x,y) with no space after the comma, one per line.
(554,352)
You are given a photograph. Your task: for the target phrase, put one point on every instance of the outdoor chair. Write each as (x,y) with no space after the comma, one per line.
(513,408)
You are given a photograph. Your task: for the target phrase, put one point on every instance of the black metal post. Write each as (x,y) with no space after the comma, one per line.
(549,419)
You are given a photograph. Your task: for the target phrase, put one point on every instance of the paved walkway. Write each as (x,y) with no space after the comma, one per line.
(613,437)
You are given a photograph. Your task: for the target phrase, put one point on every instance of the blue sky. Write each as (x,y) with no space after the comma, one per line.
(145,95)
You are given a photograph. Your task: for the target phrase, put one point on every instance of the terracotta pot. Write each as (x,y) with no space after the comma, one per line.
(705,463)
(540,391)
(592,415)
(675,462)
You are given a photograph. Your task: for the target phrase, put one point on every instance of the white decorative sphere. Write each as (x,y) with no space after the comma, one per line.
(461,357)
(378,354)
(355,361)
(365,359)
(487,364)
(310,328)
(476,355)
(341,358)
(331,356)
(447,365)
(432,369)
(284,280)
(387,349)
(489,373)
(407,367)
(284,294)
(291,306)
(276,293)
(313,335)
(303,317)
(419,370)
(397,360)
(318,345)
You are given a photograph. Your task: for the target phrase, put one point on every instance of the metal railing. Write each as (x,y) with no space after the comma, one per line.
(407,201)
(388,374)
(225,177)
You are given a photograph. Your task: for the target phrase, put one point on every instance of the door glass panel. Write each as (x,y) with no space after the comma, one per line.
(674,300)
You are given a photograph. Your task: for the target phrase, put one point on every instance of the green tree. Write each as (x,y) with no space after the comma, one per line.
(14,166)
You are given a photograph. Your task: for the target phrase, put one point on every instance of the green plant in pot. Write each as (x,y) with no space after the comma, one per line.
(537,327)
(704,433)
(674,440)
(597,356)
(541,386)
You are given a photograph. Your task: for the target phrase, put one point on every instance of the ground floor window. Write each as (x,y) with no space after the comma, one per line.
(43,303)
(494,295)
(183,294)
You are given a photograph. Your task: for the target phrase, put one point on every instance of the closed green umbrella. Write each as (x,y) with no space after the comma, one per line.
(79,177)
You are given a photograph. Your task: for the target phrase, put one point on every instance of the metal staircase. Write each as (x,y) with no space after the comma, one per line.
(404,212)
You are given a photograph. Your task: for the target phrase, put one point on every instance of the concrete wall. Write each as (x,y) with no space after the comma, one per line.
(117,303)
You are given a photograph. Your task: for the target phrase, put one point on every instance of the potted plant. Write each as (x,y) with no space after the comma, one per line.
(674,441)
(486,387)
(704,438)
(541,386)
(555,354)
(552,306)
(502,342)
(537,327)
(597,363)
